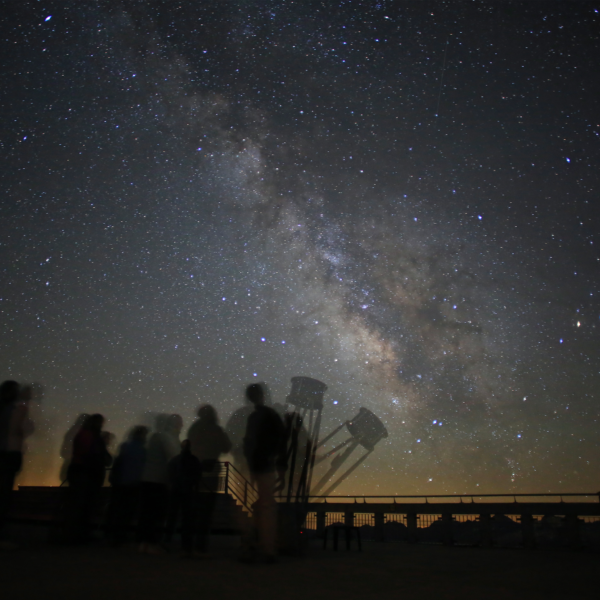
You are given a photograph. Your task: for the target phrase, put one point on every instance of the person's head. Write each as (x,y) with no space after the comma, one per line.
(207,415)
(108,438)
(9,391)
(185,446)
(174,424)
(94,423)
(139,434)
(255,394)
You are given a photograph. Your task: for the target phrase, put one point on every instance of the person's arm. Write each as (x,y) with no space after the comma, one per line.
(21,426)
(281,457)
(26,424)
(115,475)
(107,456)
(173,470)
(225,443)
(249,443)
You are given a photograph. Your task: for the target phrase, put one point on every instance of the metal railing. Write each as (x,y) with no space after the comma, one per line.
(231,481)
(234,482)
(458,498)
(483,519)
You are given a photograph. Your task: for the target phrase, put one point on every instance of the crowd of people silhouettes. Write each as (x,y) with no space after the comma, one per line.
(157,481)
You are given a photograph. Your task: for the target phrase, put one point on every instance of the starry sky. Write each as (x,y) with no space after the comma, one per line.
(397,198)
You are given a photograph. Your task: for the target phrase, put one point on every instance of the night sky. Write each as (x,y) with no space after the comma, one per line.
(397,198)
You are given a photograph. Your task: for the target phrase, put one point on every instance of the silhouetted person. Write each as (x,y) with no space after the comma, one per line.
(185,474)
(15,426)
(162,447)
(86,475)
(125,479)
(236,429)
(66,449)
(264,449)
(208,442)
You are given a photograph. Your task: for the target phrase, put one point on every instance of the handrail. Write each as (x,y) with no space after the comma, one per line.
(461,496)
(237,485)
(231,470)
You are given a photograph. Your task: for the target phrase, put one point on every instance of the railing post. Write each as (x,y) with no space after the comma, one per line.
(321,516)
(447,538)
(379,526)
(527,531)
(245,492)
(411,525)
(226,490)
(572,530)
(487,538)
(349,518)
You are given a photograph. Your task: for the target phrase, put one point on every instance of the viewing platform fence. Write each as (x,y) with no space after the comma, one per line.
(567,519)
(528,520)
(563,519)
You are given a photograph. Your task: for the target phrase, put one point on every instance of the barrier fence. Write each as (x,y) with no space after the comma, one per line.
(487,519)
(568,519)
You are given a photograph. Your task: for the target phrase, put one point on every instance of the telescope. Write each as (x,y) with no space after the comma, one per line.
(306,398)
(303,423)
(365,430)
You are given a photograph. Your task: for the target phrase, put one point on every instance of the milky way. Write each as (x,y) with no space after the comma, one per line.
(398,199)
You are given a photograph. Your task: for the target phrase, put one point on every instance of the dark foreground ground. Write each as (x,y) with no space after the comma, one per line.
(386,570)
